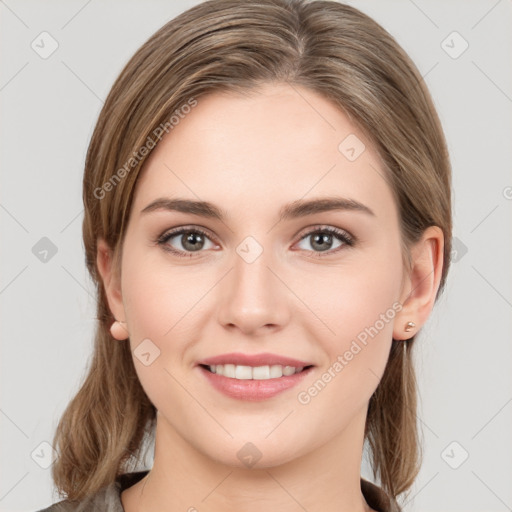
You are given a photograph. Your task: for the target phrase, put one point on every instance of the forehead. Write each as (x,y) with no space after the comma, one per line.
(272,146)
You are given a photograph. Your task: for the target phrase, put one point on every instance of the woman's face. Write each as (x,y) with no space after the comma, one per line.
(257,282)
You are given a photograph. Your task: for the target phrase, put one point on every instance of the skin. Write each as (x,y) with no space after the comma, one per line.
(250,155)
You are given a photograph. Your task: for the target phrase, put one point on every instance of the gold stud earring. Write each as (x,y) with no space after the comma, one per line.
(409,326)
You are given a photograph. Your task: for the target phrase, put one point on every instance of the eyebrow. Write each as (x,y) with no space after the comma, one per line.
(293,210)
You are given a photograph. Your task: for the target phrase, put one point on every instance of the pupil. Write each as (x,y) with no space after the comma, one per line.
(324,240)
(189,239)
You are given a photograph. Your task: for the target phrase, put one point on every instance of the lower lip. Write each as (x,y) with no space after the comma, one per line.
(251,389)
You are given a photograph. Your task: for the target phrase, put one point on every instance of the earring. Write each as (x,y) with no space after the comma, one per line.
(118,330)
(409,326)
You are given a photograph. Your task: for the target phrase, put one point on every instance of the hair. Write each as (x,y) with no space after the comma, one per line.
(227,45)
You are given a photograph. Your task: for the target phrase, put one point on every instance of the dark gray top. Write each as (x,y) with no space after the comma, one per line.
(108,499)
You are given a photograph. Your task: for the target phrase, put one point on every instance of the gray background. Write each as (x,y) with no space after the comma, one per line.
(49,108)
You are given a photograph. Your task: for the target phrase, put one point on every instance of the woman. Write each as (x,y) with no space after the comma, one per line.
(268,221)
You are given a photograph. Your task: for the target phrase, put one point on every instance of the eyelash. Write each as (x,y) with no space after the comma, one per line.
(343,236)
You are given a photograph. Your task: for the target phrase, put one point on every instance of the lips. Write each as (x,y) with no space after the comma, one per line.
(253,377)
(264,359)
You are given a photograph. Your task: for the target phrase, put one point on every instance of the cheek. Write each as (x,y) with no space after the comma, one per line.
(360,294)
(158,308)
(159,297)
(360,311)
(370,302)
(160,302)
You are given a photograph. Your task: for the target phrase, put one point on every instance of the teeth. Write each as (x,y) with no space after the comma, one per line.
(261,372)
(288,370)
(242,372)
(276,371)
(228,371)
(255,373)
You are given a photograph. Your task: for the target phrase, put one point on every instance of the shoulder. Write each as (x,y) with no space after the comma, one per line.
(61,506)
(103,501)
(107,499)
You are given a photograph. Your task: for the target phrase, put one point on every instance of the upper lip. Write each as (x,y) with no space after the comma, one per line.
(264,359)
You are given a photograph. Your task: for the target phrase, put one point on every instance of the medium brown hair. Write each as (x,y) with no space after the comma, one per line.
(230,45)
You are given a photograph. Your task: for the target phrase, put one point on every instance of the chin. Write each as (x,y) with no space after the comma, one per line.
(255,454)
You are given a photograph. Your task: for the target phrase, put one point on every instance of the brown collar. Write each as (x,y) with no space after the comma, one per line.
(377,498)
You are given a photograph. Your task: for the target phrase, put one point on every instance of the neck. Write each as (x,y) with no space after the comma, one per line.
(326,479)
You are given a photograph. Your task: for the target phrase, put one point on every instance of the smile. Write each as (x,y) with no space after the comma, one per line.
(242,372)
(253,383)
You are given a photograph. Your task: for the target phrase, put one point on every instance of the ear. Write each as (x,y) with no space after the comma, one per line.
(111,279)
(421,284)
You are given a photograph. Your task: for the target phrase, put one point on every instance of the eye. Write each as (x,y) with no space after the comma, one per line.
(190,239)
(323,238)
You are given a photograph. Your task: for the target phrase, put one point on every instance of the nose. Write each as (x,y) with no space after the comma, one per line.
(253,297)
